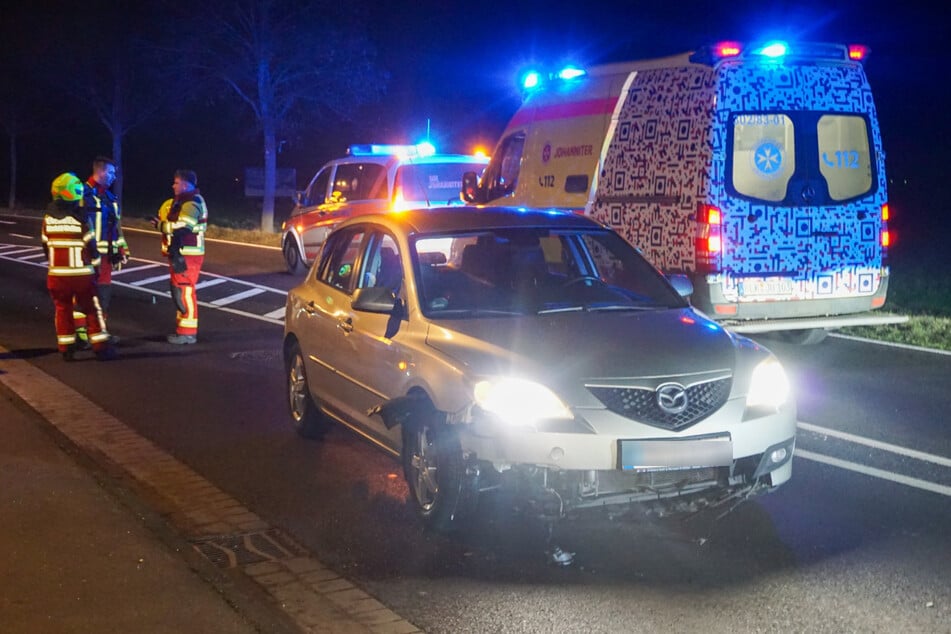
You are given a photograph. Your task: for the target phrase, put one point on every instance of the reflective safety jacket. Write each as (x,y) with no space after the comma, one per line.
(183,221)
(70,244)
(102,211)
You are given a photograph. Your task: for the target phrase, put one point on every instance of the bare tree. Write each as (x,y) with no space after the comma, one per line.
(285,59)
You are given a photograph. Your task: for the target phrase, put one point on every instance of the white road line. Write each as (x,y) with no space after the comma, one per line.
(876,444)
(7,222)
(134,268)
(891,344)
(20,235)
(23,250)
(237,297)
(240,244)
(35,256)
(875,473)
(7,247)
(212,282)
(276,314)
(149,280)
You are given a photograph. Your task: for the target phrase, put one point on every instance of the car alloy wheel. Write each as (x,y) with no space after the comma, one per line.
(305,416)
(292,257)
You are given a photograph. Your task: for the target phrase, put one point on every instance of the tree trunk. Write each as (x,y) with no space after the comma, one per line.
(270,179)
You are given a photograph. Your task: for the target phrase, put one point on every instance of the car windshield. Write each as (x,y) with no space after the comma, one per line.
(432,183)
(502,272)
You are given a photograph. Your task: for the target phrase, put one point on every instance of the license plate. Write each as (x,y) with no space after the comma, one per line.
(668,455)
(766,286)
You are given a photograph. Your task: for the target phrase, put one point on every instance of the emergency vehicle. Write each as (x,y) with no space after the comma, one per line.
(756,170)
(371,178)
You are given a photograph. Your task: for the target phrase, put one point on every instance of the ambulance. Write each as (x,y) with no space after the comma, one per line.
(756,170)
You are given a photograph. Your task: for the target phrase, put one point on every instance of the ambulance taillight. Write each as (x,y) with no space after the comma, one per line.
(709,239)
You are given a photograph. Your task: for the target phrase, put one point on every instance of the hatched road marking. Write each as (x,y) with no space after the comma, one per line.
(220,292)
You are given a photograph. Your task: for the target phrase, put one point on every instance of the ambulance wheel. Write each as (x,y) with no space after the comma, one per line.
(292,258)
(305,415)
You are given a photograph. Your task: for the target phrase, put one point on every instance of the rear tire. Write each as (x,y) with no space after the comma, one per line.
(442,493)
(304,413)
(292,257)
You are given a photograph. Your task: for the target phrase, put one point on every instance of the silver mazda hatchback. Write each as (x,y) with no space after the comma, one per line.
(531,351)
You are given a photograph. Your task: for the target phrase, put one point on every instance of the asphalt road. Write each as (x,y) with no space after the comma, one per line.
(858,540)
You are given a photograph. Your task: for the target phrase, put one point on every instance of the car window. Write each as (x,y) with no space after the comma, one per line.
(432,183)
(383,267)
(339,258)
(317,190)
(526,271)
(501,175)
(359,181)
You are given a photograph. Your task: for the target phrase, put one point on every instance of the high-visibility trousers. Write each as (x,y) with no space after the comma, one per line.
(184,297)
(67,290)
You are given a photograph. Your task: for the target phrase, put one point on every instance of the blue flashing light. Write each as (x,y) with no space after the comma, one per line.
(425,148)
(773,49)
(571,72)
(531,79)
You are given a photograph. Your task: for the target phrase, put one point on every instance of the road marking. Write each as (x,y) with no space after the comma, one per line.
(41,254)
(274,314)
(23,250)
(240,244)
(876,444)
(237,297)
(891,344)
(133,269)
(7,222)
(875,473)
(149,280)
(212,282)
(20,235)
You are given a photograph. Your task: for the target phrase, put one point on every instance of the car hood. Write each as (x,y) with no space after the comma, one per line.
(566,348)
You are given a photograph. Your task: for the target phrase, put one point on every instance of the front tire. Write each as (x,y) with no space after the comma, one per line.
(292,257)
(442,493)
(304,413)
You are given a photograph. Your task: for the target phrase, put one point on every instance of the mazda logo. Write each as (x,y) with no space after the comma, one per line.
(672,398)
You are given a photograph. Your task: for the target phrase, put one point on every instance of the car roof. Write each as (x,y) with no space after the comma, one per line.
(440,219)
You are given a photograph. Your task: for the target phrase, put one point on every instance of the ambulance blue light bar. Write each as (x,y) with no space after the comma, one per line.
(386,149)
(778,51)
(532,79)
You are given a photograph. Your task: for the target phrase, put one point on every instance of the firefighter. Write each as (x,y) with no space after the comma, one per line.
(102,208)
(73,255)
(182,221)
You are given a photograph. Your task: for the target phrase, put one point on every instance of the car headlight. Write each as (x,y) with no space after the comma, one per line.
(519,401)
(769,386)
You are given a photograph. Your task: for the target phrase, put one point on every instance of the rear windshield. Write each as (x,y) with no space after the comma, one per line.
(801,158)
(433,183)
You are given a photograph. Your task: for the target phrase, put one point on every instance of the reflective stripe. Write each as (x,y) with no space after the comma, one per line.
(65,340)
(69,271)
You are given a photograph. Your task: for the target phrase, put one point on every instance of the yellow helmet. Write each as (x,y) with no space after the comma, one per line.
(68,187)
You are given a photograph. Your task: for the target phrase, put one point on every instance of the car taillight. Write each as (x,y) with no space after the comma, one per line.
(709,241)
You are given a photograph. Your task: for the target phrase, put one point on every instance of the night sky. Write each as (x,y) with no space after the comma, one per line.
(455,64)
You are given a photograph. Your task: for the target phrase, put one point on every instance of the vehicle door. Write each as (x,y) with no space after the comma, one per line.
(313,208)
(375,362)
(324,317)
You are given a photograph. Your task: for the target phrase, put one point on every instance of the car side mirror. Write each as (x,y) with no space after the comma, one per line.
(374,299)
(470,188)
(681,284)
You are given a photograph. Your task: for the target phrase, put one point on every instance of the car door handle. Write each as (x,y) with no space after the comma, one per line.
(346,325)
(310,307)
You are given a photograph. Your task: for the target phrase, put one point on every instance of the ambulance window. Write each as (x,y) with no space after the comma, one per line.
(317,192)
(764,155)
(502,173)
(359,181)
(844,157)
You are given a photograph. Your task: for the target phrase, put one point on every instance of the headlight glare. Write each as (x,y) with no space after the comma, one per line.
(769,386)
(519,401)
